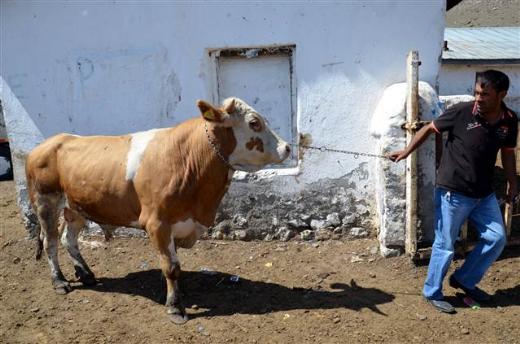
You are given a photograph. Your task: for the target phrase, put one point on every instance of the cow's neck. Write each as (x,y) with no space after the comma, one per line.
(217,135)
(216,179)
(207,176)
(222,143)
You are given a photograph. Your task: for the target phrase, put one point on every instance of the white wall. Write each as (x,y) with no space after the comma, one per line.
(455,79)
(3,131)
(116,67)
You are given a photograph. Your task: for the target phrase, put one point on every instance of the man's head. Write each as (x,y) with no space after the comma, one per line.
(490,89)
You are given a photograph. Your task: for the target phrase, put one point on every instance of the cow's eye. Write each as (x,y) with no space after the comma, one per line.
(255,125)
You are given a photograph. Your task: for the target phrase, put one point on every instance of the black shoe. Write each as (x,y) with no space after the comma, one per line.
(442,306)
(476,293)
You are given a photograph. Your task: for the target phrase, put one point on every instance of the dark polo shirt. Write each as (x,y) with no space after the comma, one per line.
(470,152)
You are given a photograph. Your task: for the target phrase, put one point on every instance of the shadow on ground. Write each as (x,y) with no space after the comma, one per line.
(502,298)
(218,295)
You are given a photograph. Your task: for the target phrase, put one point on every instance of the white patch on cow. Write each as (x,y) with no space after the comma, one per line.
(51,248)
(69,240)
(171,247)
(64,238)
(138,145)
(183,229)
(174,259)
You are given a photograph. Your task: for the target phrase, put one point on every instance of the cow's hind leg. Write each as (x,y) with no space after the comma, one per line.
(47,213)
(171,268)
(74,223)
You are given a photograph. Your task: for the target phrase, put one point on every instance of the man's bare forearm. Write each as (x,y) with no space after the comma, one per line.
(417,140)
(509,164)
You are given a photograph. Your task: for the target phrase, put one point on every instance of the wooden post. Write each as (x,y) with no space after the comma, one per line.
(463,248)
(508,218)
(464,232)
(412,111)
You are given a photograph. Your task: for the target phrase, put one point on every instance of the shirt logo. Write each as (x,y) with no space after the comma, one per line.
(502,132)
(473,125)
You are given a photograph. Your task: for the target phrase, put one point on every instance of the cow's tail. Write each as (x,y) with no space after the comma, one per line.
(31,220)
(39,243)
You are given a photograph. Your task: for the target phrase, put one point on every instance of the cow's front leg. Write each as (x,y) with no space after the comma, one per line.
(171,268)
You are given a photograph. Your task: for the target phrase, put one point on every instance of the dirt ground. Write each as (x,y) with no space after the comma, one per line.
(294,292)
(474,13)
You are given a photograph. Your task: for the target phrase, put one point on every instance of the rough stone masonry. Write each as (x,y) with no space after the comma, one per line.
(323,210)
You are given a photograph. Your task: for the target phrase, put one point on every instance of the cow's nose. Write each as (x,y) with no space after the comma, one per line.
(288,148)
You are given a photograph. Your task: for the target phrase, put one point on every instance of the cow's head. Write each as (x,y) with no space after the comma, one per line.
(257,145)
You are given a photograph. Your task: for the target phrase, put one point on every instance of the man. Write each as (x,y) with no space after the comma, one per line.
(477,130)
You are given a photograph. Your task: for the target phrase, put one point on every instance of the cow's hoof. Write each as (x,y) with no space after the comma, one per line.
(61,287)
(87,278)
(177,316)
(178,319)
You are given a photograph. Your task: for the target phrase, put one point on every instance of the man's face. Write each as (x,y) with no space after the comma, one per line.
(487,98)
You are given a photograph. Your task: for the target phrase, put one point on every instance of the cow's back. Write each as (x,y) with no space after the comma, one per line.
(90,171)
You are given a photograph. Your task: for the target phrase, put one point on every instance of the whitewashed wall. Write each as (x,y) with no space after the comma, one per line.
(116,67)
(3,131)
(456,79)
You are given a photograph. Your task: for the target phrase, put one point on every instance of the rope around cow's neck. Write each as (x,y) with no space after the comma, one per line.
(216,148)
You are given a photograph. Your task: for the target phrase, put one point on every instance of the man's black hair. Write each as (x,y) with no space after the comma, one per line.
(494,78)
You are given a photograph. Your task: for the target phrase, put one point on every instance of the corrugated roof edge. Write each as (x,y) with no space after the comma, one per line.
(475,38)
(490,62)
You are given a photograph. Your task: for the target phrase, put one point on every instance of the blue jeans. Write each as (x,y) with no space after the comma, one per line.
(451,210)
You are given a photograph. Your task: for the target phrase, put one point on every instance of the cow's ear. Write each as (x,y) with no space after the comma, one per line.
(212,114)
(209,113)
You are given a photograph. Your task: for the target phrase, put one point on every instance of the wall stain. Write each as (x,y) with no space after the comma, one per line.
(85,68)
(171,94)
(304,140)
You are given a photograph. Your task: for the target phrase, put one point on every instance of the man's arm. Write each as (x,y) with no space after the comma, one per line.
(417,140)
(509,163)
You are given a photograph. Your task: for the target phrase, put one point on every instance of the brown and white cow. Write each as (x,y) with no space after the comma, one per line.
(168,182)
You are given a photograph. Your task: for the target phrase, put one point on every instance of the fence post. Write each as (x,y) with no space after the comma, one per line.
(412,111)
(508,218)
